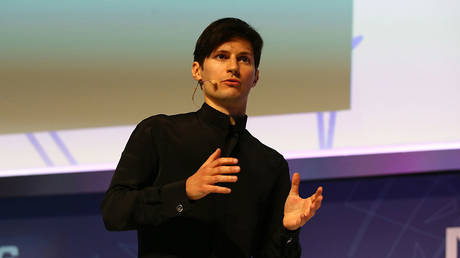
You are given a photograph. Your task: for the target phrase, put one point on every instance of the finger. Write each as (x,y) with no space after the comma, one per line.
(225,170)
(295,184)
(223,179)
(223,162)
(313,207)
(317,204)
(308,210)
(318,193)
(215,155)
(218,189)
(308,213)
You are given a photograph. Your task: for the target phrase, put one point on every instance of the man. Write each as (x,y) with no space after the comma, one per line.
(199,184)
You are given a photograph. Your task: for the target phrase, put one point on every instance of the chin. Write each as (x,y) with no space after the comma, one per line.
(228,98)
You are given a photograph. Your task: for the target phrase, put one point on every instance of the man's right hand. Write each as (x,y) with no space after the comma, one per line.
(212,171)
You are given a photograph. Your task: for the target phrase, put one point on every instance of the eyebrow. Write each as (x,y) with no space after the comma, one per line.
(226,52)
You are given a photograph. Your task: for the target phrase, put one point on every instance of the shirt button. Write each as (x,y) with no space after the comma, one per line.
(289,240)
(179,208)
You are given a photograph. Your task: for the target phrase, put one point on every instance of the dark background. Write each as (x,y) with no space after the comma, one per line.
(391,216)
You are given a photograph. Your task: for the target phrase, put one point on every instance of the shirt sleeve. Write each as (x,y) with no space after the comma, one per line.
(132,201)
(280,242)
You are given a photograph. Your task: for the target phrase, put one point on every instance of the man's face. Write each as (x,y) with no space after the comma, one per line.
(228,74)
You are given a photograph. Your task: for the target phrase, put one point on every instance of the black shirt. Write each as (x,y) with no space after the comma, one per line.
(147,192)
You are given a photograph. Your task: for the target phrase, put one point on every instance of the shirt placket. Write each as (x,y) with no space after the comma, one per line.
(220,200)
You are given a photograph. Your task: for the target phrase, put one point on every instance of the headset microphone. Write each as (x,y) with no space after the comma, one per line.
(201,82)
(213,82)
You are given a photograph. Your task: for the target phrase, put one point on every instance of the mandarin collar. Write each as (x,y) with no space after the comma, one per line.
(212,116)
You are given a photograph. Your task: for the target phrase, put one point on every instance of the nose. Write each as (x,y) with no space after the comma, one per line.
(233,66)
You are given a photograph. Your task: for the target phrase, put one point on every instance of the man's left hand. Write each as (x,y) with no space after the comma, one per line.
(297,211)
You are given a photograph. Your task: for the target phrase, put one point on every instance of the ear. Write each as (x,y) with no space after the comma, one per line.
(196,71)
(256,78)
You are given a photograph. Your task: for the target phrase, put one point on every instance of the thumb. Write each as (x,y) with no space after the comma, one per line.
(295,184)
(211,158)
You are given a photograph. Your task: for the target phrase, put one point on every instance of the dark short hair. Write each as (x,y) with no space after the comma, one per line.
(224,30)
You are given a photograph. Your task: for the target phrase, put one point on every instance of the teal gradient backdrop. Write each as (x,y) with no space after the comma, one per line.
(105,63)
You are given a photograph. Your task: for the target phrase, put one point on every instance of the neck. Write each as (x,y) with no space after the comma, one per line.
(230,110)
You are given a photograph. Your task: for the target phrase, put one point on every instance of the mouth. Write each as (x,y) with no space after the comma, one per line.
(232,82)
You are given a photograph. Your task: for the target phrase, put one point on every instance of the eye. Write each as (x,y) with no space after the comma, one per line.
(244,59)
(221,56)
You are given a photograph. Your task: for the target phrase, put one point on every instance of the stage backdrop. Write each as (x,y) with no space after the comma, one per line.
(388,217)
(105,63)
(369,78)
